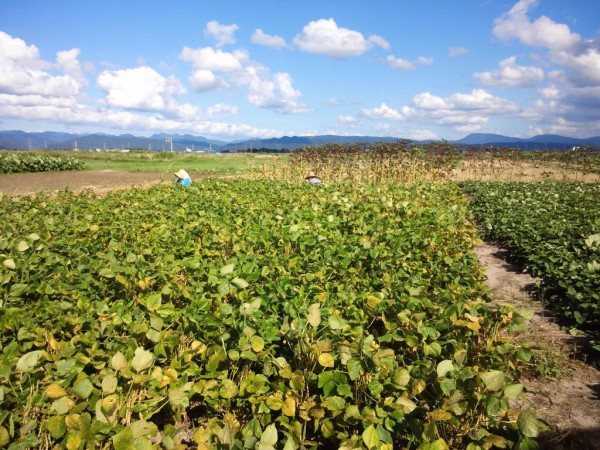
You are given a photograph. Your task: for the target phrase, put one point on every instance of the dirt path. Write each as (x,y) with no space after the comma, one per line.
(571,401)
(98,180)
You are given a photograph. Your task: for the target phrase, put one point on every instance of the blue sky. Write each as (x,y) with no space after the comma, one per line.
(239,69)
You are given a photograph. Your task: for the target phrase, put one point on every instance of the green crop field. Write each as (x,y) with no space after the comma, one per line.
(270,313)
(252,314)
(21,163)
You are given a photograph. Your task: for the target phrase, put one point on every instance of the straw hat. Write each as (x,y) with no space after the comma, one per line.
(181,174)
(310,175)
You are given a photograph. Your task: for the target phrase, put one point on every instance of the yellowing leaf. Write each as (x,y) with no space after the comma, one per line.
(314,314)
(118,361)
(407,404)
(226,270)
(440,415)
(473,326)
(418,387)
(373,301)
(257,343)
(9,264)
(109,404)
(142,359)
(370,437)
(109,384)
(289,407)
(72,421)
(55,391)
(326,360)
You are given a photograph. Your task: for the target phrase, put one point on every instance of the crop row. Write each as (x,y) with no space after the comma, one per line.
(14,163)
(553,229)
(245,314)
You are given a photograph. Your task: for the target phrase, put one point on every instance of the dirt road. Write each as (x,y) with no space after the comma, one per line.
(568,396)
(98,180)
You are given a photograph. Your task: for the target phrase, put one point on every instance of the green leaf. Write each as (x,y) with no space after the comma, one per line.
(334,403)
(433,349)
(438,444)
(529,426)
(335,322)
(56,426)
(370,437)
(447,385)
(494,380)
(226,270)
(123,440)
(29,360)
(513,391)
(61,405)
(141,428)
(142,359)
(240,283)
(355,368)
(178,397)
(269,436)
(83,388)
(154,302)
(444,367)
(228,389)
(401,376)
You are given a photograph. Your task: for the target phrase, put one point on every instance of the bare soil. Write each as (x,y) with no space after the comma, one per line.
(522,171)
(99,181)
(570,401)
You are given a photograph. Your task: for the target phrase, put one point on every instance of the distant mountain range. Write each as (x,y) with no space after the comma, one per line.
(21,140)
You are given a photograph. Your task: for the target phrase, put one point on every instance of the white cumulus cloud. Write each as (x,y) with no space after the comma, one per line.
(22,72)
(325,37)
(144,89)
(457,51)
(383,111)
(223,34)
(543,32)
(202,80)
(349,121)
(265,90)
(207,58)
(403,64)
(509,74)
(261,38)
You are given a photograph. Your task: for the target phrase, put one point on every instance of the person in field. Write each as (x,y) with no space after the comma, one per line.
(183,178)
(313,179)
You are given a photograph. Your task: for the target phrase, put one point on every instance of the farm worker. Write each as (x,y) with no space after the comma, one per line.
(312,178)
(183,178)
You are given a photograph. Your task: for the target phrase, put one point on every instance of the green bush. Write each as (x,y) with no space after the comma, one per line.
(14,163)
